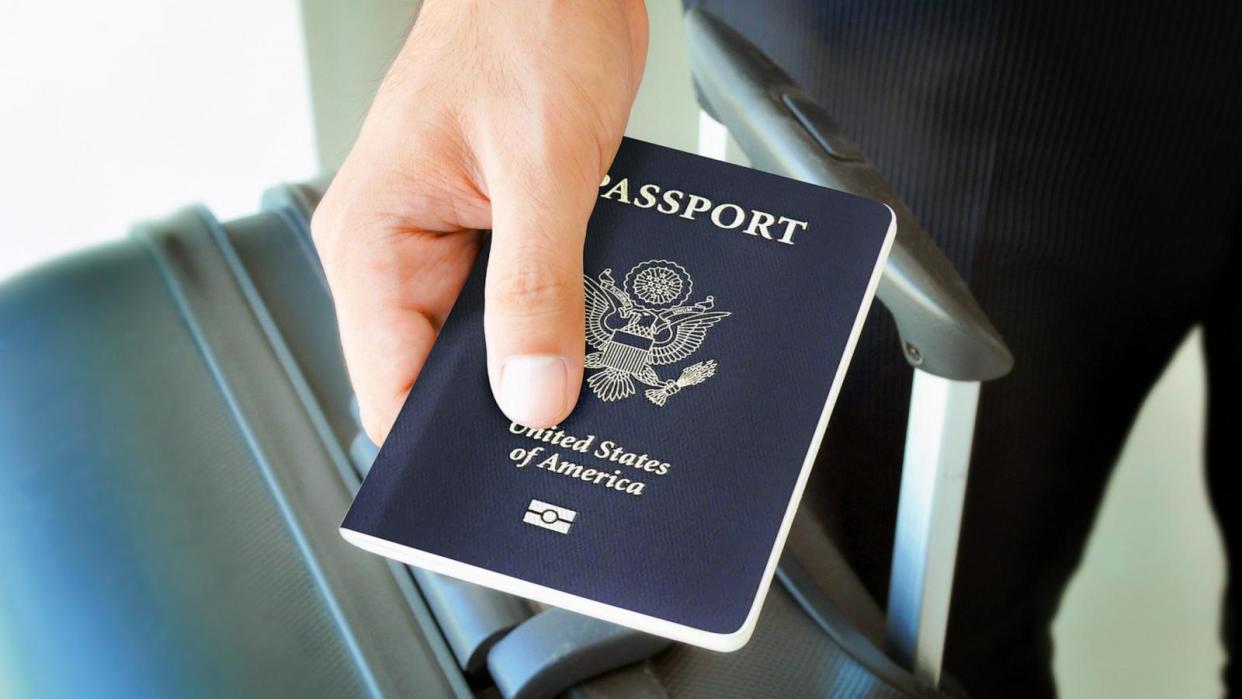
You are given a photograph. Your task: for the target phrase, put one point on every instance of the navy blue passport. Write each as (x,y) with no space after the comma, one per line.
(722,306)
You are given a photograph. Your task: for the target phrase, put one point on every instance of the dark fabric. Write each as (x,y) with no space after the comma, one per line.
(1079,163)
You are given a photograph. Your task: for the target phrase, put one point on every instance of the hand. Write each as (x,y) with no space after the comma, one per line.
(500,115)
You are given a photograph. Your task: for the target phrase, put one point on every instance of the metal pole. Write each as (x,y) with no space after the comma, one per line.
(713,138)
(929,517)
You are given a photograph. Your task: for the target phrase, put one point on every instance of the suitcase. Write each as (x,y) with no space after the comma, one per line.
(178,443)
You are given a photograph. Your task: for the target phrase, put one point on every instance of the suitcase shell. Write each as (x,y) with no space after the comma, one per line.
(172,477)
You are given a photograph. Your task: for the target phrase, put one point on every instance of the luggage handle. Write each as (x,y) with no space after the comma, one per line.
(782,130)
(945,335)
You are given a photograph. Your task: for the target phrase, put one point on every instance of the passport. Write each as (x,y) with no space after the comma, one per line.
(722,307)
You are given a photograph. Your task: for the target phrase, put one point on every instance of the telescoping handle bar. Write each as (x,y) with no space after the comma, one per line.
(945,335)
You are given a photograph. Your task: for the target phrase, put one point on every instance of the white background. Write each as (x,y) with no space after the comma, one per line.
(117,111)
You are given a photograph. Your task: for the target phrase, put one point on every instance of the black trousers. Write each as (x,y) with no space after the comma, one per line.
(1081,164)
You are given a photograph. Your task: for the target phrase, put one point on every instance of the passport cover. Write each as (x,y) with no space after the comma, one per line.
(722,306)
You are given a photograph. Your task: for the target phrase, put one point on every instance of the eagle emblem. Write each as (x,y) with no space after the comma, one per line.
(642,324)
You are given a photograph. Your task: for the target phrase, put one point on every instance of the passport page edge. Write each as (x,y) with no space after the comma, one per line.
(722,642)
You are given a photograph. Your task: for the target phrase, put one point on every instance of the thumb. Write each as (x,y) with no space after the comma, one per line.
(534,305)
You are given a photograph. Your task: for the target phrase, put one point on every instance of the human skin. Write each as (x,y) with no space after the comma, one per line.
(500,115)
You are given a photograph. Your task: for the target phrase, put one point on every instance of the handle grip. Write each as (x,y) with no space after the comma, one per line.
(784,131)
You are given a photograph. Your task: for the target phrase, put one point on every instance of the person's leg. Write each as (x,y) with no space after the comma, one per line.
(1222,333)
(1078,165)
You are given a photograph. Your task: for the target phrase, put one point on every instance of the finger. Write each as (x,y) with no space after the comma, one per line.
(534,309)
(392,292)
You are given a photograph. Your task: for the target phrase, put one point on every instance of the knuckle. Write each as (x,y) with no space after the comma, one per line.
(534,288)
